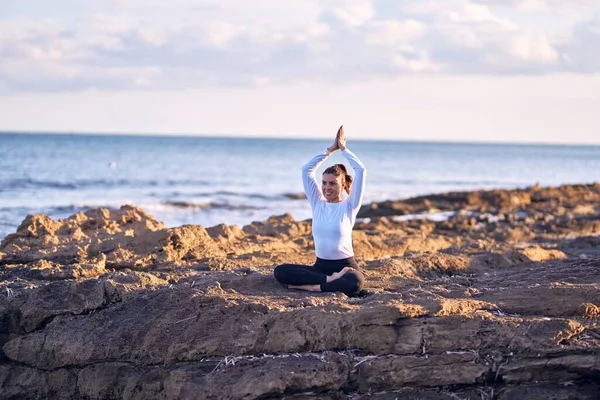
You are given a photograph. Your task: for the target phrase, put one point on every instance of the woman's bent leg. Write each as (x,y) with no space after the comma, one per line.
(348,284)
(294,274)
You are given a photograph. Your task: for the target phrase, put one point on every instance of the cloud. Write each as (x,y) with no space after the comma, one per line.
(525,5)
(420,63)
(394,33)
(540,5)
(134,44)
(579,48)
(536,48)
(355,14)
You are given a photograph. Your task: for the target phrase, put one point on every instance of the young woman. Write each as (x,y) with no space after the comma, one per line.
(333,219)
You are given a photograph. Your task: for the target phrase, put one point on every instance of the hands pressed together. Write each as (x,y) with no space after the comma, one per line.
(340,141)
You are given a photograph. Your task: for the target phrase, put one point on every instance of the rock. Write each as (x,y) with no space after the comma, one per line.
(537,253)
(396,372)
(34,308)
(277,226)
(498,300)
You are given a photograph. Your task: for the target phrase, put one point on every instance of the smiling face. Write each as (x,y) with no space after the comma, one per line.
(332,188)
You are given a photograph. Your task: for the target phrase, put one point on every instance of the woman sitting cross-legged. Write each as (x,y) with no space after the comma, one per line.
(335,269)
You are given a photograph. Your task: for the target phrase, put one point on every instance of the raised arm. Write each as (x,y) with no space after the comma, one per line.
(309,181)
(358,185)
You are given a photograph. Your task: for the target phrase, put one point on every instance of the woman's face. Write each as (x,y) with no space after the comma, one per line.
(332,187)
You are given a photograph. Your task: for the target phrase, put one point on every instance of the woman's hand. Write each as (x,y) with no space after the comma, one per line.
(341,138)
(336,143)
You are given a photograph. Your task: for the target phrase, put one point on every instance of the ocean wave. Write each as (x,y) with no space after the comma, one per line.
(65,210)
(222,193)
(209,206)
(295,196)
(168,205)
(477,182)
(454,182)
(33,183)
(28,183)
(76,208)
(436,216)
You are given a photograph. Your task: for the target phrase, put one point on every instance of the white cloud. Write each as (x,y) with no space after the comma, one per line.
(356,13)
(152,36)
(201,43)
(535,48)
(221,34)
(143,78)
(533,5)
(108,24)
(470,12)
(393,33)
(581,48)
(524,5)
(420,63)
(462,36)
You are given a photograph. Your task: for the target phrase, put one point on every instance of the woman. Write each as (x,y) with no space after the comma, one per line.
(333,219)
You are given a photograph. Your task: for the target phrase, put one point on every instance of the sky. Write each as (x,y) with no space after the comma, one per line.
(447,70)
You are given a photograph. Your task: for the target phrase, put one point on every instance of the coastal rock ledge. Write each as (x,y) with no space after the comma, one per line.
(474,295)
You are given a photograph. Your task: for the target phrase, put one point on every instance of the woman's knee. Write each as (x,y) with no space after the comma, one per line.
(355,282)
(284,271)
(279,271)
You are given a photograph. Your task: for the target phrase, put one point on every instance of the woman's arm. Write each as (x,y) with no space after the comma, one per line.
(358,184)
(309,181)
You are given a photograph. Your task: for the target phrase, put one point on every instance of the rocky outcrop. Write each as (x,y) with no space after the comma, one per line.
(499,301)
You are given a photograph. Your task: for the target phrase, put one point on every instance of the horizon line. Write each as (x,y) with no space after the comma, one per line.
(258,137)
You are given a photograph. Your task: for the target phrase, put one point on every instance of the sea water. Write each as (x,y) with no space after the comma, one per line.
(208,181)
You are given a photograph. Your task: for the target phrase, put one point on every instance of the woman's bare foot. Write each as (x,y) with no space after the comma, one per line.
(338,275)
(310,288)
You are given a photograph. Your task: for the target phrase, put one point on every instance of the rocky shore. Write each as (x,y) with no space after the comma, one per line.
(471,295)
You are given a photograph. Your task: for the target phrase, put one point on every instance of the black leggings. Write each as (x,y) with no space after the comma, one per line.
(294,274)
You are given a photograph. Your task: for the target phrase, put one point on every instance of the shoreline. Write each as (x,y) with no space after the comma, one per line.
(415,207)
(502,297)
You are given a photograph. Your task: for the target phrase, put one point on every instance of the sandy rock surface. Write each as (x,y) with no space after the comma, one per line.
(499,299)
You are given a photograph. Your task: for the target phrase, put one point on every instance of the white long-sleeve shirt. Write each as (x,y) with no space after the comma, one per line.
(332,223)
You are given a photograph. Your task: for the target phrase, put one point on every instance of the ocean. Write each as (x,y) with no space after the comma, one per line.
(208,181)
